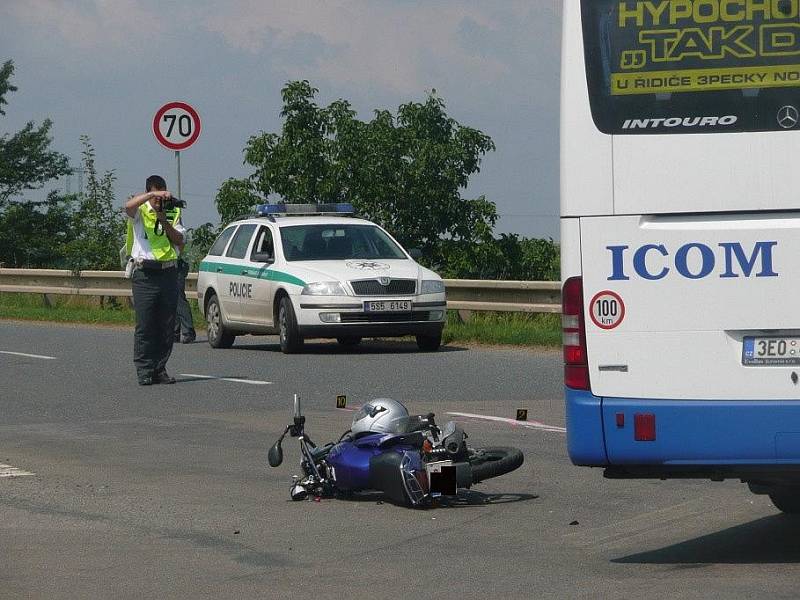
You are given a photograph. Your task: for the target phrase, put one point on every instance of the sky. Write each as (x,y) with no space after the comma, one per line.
(103,68)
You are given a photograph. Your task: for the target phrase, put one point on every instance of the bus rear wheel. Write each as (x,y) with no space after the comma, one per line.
(786,500)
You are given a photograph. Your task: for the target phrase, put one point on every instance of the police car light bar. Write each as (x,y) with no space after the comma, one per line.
(339,208)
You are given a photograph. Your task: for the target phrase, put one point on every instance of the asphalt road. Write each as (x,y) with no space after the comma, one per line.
(164,492)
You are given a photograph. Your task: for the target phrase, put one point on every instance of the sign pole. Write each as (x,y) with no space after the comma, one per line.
(178,159)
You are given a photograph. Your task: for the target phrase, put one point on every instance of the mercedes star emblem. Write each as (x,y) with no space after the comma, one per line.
(788,116)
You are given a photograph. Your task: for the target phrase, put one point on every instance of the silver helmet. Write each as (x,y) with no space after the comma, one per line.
(381,415)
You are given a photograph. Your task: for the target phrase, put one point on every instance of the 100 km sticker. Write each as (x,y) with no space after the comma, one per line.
(607,309)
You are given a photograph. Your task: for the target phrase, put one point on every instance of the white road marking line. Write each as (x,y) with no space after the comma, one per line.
(233,379)
(9,471)
(526,424)
(28,355)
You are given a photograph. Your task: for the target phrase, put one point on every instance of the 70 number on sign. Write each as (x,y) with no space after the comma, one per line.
(185,125)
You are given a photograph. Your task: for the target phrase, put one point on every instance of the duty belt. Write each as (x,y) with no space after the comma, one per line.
(144,263)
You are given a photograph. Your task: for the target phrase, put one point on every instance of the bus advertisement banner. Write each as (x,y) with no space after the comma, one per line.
(646,48)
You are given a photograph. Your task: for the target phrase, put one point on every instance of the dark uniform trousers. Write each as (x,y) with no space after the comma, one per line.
(155,297)
(183,323)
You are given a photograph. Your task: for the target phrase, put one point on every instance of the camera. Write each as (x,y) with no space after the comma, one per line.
(170,203)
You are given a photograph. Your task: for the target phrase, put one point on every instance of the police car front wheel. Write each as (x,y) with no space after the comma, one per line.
(218,336)
(290,338)
(429,343)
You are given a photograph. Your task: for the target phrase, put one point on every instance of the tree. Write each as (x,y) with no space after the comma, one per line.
(99,227)
(198,243)
(405,172)
(508,256)
(32,233)
(26,160)
(35,234)
(236,197)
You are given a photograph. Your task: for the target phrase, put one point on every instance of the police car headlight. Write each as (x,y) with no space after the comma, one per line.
(432,286)
(324,288)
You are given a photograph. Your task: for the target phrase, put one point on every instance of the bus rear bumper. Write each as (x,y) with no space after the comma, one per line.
(691,436)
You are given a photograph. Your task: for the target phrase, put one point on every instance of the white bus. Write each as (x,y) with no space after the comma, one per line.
(680,232)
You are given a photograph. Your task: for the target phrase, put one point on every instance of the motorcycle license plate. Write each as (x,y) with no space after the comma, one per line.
(387,306)
(780,350)
(442,478)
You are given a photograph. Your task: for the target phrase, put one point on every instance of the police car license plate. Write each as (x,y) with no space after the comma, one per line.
(781,350)
(388,306)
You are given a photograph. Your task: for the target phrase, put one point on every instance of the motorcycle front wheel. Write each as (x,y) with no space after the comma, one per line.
(493,462)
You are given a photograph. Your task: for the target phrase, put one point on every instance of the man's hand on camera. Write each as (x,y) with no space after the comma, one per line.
(159,196)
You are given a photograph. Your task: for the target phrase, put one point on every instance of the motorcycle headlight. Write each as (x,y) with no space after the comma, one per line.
(432,286)
(324,288)
(415,479)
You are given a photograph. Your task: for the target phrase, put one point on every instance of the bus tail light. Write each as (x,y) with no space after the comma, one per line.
(644,427)
(576,367)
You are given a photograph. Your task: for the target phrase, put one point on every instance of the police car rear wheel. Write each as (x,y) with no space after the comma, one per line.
(287,327)
(429,343)
(218,336)
(350,340)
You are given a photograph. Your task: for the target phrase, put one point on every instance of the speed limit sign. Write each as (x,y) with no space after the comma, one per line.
(176,126)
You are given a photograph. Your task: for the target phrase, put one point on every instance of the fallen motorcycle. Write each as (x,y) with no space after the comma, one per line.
(408,458)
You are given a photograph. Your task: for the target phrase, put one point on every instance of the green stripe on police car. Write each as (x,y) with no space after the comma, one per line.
(255,273)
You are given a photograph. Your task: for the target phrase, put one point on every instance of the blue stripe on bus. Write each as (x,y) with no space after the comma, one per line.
(688,432)
(585,429)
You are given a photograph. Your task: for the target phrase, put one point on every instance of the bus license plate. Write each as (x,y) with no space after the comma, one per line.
(783,350)
(388,306)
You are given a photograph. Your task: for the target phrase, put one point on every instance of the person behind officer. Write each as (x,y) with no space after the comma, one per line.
(184,325)
(154,236)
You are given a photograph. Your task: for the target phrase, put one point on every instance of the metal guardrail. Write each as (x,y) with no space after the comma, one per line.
(462,294)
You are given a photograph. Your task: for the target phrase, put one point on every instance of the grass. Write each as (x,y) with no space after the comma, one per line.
(514,329)
(73,309)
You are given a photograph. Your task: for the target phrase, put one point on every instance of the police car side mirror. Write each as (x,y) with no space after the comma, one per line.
(415,253)
(262,257)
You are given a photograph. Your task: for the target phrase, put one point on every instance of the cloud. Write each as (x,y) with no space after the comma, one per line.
(92,25)
(404,46)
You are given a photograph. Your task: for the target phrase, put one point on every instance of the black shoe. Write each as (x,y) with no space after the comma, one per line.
(163,377)
(146,380)
(187,339)
(177,337)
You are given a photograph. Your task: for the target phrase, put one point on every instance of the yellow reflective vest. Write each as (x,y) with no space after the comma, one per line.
(160,246)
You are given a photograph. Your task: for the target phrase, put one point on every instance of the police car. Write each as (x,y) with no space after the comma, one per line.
(309,271)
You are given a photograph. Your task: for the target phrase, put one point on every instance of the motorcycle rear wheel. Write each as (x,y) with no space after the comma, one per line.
(493,462)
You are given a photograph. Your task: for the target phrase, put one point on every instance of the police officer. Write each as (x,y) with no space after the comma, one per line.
(154,236)
(184,324)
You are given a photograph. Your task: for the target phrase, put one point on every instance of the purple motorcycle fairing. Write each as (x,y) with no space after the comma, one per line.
(350,459)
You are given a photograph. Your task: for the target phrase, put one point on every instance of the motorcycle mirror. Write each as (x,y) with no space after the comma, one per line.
(275,455)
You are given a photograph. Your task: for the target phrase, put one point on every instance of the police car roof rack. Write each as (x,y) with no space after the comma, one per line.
(340,209)
(252,215)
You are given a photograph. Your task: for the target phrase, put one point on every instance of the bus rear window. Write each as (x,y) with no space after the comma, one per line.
(692,66)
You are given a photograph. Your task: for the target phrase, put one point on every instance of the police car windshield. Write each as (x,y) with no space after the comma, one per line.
(337,242)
